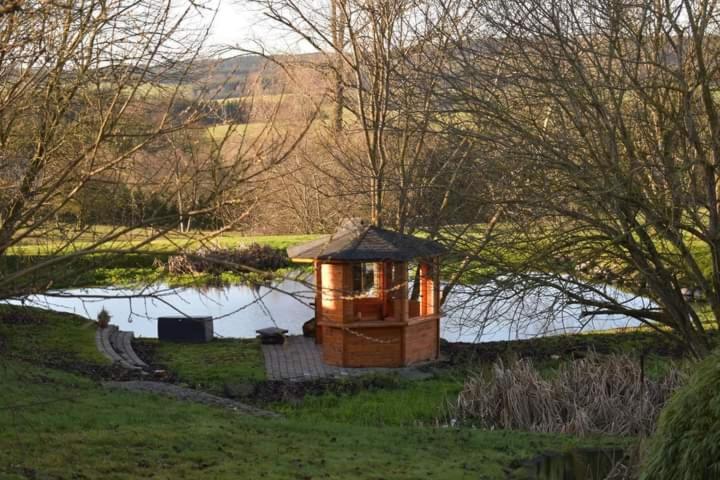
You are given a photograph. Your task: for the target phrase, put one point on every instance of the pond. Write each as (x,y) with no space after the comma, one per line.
(579,464)
(470,315)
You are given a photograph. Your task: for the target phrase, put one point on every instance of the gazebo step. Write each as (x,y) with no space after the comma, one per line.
(117,347)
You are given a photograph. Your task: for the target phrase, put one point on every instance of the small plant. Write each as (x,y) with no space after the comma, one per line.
(103,318)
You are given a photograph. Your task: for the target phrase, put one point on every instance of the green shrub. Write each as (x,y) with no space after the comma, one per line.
(686,445)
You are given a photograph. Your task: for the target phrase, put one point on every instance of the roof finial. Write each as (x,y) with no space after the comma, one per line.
(352,223)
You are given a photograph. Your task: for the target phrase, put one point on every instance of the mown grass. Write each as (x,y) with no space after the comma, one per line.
(374,400)
(63,425)
(386,402)
(59,424)
(42,336)
(210,366)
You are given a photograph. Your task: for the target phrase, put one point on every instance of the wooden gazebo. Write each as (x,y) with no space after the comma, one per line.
(364,317)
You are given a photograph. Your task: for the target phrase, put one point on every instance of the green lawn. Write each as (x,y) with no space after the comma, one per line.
(43,337)
(57,424)
(381,402)
(375,400)
(210,366)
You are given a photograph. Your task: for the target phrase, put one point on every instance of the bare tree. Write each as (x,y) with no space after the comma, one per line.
(90,95)
(603,120)
(385,60)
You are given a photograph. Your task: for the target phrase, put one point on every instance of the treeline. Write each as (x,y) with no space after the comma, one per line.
(107,202)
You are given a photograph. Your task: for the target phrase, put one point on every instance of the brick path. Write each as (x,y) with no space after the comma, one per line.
(301,359)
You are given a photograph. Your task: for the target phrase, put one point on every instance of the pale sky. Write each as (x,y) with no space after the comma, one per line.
(238,25)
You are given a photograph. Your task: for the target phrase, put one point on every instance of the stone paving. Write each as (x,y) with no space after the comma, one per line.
(299,359)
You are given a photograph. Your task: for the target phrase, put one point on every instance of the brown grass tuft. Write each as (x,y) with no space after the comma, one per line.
(594,395)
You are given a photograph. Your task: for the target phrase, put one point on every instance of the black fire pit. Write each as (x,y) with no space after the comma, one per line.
(185,329)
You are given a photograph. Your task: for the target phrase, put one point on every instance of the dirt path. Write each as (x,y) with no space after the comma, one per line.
(190,395)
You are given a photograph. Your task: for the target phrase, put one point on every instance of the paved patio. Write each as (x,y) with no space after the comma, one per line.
(300,359)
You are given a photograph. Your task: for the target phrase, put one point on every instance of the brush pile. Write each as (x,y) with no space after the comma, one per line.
(594,395)
(216,261)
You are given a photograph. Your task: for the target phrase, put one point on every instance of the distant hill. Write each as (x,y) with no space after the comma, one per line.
(244,75)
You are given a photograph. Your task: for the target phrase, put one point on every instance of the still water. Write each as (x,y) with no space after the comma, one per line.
(579,464)
(471,314)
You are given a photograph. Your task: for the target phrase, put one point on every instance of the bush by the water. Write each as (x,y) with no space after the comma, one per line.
(254,256)
(686,445)
(594,395)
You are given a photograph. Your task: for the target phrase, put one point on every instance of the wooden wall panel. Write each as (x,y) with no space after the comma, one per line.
(333,346)
(421,341)
(361,352)
(413,308)
(368,309)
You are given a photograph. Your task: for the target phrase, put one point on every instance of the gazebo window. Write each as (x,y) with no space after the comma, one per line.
(364,279)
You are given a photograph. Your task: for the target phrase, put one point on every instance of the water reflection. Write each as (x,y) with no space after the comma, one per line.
(238,310)
(486,313)
(578,464)
(472,314)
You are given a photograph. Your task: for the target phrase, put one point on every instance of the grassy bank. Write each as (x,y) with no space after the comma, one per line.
(141,266)
(61,424)
(58,424)
(70,240)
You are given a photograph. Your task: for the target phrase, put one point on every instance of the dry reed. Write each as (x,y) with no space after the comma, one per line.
(594,395)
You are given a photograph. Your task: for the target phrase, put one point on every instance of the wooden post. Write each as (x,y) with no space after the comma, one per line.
(436,303)
(400,303)
(429,288)
(436,287)
(424,289)
(387,285)
(318,302)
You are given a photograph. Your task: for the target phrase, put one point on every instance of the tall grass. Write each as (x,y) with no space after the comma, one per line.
(594,395)
(686,445)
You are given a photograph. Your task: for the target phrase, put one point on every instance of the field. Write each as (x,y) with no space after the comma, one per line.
(140,261)
(73,239)
(59,422)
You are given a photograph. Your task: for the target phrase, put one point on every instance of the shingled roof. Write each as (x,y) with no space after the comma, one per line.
(357,241)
